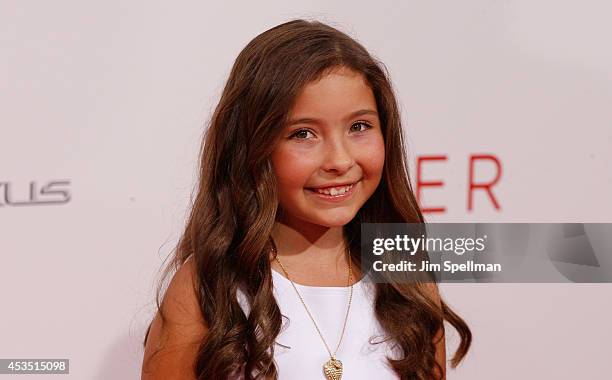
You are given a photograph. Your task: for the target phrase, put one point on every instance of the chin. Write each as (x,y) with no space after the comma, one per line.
(335,222)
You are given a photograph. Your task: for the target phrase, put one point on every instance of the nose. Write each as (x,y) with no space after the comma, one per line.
(337,157)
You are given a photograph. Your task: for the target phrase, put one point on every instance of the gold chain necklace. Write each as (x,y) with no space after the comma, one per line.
(333,367)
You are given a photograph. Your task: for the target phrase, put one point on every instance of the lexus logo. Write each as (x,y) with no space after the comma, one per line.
(50,192)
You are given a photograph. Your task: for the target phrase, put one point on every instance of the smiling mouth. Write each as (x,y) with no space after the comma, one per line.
(337,191)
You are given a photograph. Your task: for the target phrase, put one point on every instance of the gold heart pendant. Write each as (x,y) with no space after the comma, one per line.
(333,369)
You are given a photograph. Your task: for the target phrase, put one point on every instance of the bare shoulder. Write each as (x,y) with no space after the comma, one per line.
(172,344)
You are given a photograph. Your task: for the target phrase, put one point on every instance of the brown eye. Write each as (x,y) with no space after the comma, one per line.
(300,134)
(361,123)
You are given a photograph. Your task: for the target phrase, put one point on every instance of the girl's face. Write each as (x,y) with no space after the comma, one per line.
(334,139)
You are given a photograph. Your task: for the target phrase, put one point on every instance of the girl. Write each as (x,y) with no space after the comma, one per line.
(304,146)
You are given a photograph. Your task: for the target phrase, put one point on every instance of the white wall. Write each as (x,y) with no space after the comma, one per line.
(112,97)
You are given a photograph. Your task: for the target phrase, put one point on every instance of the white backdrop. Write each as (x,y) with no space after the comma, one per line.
(104,104)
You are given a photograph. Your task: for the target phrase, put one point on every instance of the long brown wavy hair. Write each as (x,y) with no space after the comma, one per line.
(229,228)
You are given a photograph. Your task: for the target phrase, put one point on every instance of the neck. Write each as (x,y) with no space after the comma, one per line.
(315,245)
(312,254)
(315,256)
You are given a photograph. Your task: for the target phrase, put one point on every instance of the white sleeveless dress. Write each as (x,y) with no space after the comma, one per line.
(304,359)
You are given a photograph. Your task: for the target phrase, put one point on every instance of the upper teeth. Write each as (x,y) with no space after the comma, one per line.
(334,190)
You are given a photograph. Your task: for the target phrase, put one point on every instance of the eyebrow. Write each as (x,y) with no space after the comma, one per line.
(312,120)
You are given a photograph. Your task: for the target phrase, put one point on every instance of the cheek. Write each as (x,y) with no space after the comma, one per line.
(372,156)
(291,168)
